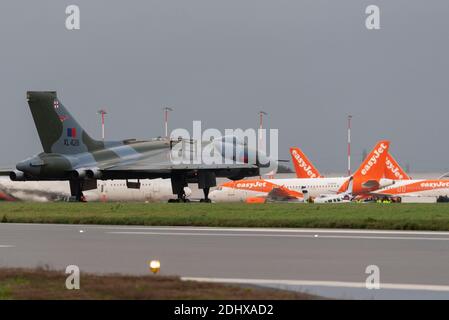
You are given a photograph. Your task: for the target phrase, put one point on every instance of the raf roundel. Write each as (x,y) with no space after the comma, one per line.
(71,132)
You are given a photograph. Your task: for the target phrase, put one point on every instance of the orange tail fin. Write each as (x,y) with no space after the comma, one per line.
(373,167)
(303,167)
(393,170)
(367,177)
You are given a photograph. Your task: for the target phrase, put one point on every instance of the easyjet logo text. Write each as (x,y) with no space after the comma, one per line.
(373,160)
(303,165)
(432,185)
(251,185)
(393,169)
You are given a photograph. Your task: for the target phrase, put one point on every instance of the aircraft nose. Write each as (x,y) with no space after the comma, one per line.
(213,195)
(22,165)
(31,165)
(92,196)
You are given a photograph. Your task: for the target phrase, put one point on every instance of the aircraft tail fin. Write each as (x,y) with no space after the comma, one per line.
(368,175)
(303,167)
(373,167)
(393,170)
(58,130)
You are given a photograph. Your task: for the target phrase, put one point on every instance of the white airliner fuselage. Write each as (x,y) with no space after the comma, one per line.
(240,191)
(154,190)
(417,188)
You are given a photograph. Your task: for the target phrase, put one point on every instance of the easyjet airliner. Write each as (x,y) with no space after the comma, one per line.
(368,177)
(403,186)
(151,190)
(416,188)
(305,169)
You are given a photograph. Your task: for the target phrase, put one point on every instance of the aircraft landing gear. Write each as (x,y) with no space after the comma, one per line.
(181,197)
(76,191)
(206,180)
(178,182)
(206,195)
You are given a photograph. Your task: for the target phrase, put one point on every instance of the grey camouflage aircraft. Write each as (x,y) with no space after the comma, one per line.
(71,154)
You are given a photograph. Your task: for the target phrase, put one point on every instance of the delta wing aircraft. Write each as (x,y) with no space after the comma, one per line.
(71,154)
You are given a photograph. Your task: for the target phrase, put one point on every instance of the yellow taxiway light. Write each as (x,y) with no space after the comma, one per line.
(155,266)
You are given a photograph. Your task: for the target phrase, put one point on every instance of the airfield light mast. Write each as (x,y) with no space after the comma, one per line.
(261,114)
(166,111)
(259,147)
(102,113)
(349,145)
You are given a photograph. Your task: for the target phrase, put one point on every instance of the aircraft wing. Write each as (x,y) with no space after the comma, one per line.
(165,169)
(174,167)
(370,184)
(5,171)
(283,193)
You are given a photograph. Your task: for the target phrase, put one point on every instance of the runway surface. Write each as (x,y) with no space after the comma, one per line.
(327,262)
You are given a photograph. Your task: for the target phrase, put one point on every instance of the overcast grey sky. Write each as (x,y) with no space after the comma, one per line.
(308,63)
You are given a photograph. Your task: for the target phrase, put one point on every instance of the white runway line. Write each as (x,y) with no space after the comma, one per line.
(205,234)
(280,230)
(6,246)
(257,235)
(233,229)
(340,284)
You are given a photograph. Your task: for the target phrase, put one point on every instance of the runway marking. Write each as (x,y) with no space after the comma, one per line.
(230,229)
(272,235)
(270,230)
(281,230)
(6,246)
(340,284)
